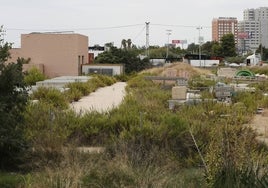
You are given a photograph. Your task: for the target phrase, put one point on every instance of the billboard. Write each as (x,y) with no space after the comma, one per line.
(179,41)
(244,35)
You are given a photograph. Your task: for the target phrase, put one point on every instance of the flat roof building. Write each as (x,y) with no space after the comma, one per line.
(253,29)
(222,26)
(60,54)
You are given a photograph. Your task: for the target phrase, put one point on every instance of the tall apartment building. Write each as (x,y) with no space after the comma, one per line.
(224,25)
(253,29)
(262,17)
(248,35)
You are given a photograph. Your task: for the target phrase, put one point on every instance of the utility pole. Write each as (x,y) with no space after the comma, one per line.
(168,33)
(199,41)
(147,39)
(261,50)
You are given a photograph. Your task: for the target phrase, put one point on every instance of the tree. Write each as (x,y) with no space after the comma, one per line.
(13,98)
(127,57)
(193,48)
(124,44)
(216,49)
(129,43)
(228,45)
(263,51)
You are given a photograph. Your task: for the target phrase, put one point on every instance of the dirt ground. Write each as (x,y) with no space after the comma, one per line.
(260,124)
(104,99)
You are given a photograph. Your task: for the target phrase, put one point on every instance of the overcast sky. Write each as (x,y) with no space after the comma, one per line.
(106,21)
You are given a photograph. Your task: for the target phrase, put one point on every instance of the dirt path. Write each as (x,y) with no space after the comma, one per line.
(260,124)
(101,100)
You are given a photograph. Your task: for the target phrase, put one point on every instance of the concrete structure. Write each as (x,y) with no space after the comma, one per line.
(223,91)
(204,63)
(222,26)
(179,92)
(262,17)
(226,72)
(253,30)
(254,59)
(60,54)
(248,38)
(61,82)
(107,69)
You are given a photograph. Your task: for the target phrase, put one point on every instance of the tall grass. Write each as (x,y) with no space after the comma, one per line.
(147,145)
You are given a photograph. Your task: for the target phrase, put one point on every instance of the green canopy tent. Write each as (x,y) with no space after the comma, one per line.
(245,73)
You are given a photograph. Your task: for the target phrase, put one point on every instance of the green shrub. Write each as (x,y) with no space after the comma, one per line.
(46,129)
(107,80)
(95,83)
(33,75)
(122,77)
(51,96)
(10,180)
(82,87)
(74,95)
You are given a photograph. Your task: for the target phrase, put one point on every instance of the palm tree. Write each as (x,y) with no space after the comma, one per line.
(129,43)
(124,43)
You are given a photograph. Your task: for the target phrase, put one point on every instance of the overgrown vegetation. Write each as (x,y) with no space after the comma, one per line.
(145,144)
(33,75)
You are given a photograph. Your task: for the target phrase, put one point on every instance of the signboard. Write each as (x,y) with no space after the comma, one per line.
(179,41)
(176,41)
(183,41)
(245,35)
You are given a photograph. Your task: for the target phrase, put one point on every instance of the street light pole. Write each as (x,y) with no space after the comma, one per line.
(168,33)
(199,41)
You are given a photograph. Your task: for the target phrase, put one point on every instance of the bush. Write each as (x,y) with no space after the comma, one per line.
(51,96)
(33,75)
(107,80)
(74,95)
(82,87)
(46,129)
(10,180)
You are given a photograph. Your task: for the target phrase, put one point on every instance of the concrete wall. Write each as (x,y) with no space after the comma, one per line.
(117,68)
(15,54)
(204,63)
(60,54)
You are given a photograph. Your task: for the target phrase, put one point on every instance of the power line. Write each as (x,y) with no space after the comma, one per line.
(76,29)
(139,33)
(171,25)
(104,28)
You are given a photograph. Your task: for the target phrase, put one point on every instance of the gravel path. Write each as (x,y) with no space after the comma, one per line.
(103,99)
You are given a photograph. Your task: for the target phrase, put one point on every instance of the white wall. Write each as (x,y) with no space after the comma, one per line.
(117,68)
(204,63)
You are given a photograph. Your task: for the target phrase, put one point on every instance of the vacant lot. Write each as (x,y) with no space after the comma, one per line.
(260,124)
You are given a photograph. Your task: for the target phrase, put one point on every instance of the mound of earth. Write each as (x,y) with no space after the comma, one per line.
(180,68)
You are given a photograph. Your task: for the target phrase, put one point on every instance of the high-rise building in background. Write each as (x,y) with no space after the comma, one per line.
(253,29)
(222,26)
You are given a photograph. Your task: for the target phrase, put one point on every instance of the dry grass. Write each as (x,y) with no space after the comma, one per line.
(179,66)
(68,173)
(259,124)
